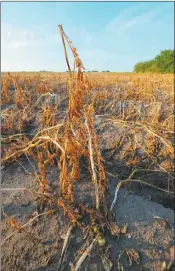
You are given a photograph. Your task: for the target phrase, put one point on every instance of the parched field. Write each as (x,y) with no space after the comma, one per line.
(71,146)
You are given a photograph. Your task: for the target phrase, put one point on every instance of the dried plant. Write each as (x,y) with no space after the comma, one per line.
(127,102)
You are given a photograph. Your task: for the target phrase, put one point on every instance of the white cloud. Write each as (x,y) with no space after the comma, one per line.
(13,38)
(144,18)
(120,18)
(121,22)
(115,46)
(26,50)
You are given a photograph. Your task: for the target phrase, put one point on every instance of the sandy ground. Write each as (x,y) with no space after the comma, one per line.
(147,212)
(39,246)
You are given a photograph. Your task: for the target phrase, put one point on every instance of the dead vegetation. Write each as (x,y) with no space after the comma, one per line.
(126,116)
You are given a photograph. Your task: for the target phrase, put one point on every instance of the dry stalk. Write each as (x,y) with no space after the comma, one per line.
(127,123)
(84,255)
(93,166)
(65,245)
(52,140)
(138,181)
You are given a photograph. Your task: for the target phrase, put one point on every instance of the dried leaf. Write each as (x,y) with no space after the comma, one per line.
(107,264)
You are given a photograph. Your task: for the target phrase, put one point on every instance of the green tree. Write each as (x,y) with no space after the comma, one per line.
(164,63)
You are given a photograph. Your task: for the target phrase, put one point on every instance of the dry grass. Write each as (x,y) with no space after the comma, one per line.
(140,106)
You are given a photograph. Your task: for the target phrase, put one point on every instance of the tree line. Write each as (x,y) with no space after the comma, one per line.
(162,63)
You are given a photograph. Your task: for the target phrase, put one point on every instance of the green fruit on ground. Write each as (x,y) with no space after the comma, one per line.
(96,229)
(101,241)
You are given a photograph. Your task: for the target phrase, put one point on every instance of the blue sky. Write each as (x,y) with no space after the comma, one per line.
(107,35)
